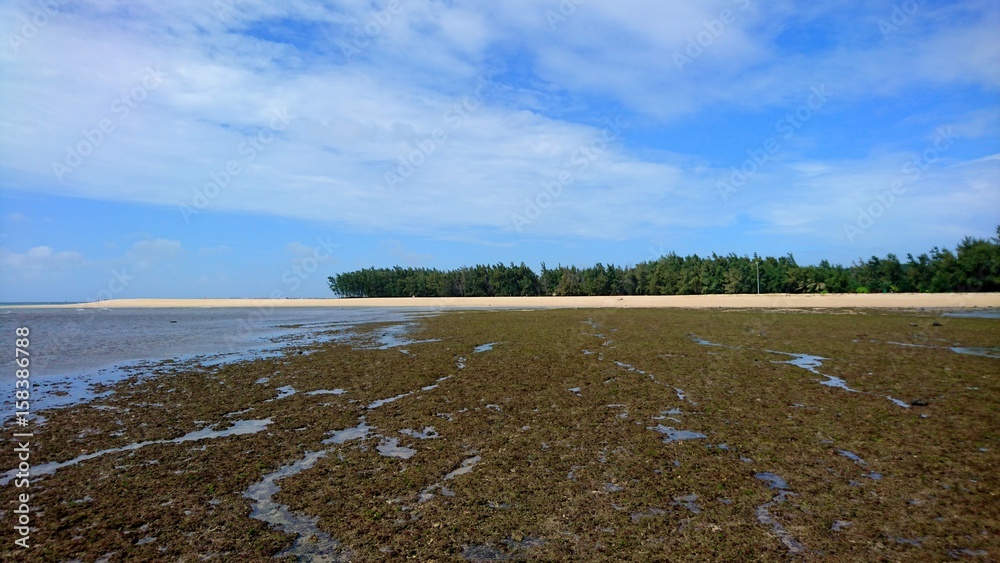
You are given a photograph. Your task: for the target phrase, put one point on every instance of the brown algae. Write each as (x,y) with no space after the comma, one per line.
(502,462)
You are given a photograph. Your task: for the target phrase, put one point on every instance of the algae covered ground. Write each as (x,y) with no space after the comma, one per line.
(576,435)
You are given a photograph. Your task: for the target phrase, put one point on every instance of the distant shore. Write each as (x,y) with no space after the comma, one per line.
(764,301)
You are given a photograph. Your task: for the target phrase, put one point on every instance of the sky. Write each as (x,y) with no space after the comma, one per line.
(239,148)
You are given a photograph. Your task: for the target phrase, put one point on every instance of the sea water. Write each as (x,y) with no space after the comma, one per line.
(72,349)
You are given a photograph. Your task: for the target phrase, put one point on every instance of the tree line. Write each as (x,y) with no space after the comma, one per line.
(973,266)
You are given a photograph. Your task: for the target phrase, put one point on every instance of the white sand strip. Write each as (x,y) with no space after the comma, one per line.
(764,301)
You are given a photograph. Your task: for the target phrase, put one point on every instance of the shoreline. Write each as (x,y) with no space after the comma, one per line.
(727,301)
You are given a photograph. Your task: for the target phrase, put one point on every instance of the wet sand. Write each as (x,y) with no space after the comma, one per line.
(764,301)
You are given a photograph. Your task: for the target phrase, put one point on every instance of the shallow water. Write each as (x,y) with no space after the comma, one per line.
(703,342)
(853,457)
(674,435)
(965,350)
(286,391)
(346,435)
(688,502)
(428,433)
(77,349)
(466,467)
(311,543)
(983,314)
(396,336)
(976,351)
(764,516)
(237,428)
(389,447)
(380,402)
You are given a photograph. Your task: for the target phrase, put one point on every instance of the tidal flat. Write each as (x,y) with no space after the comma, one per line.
(572,434)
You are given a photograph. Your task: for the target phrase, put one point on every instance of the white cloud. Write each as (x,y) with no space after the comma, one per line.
(355,119)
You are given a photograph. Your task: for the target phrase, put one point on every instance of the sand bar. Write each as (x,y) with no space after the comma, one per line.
(764,301)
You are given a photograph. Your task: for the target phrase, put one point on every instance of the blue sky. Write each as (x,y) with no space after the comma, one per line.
(239,148)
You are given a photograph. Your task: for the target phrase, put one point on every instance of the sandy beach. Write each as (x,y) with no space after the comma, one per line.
(766,301)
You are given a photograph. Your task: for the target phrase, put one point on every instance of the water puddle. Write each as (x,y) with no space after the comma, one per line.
(959,553)
(976,351)
(428,433)
(804,361)
(773,481)
(395,337)
(648,513)
(965,350)
(674,435)
(311,543)
(327,392)
(840,525)
(908,541)
(765,517)
(485,347)
(984,314)
(630,367)
(238,428)
(688,502)
(853,457)
(516,550)
(389,447)
(703,342)
(575,391)
(380,402)
(286,391)
(813,363)
(466,467)
(359,432)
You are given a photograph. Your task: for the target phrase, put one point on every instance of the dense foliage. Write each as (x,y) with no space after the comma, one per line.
(974,266)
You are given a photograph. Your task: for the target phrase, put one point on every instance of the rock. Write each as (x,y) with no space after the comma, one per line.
(918,403)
